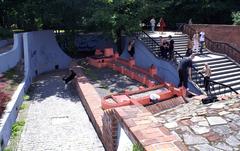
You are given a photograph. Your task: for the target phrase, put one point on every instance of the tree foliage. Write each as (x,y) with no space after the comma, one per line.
(236,18)
(111,16)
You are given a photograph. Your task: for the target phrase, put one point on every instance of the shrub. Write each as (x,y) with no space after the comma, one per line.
(4,97)
(5,33)
(17,128)
(236,18)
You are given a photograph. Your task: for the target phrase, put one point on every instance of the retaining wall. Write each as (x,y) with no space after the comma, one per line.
(165,70)
(10,58)
(4,43)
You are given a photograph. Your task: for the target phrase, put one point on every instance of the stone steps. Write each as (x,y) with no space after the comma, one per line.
(223,69)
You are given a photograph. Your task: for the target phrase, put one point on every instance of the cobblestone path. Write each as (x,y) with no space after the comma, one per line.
(56,119)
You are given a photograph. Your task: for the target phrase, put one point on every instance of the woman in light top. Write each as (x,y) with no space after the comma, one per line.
(195,42)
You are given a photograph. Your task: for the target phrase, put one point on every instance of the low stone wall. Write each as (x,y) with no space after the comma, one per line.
(10,58)
(11,112)
(138,123)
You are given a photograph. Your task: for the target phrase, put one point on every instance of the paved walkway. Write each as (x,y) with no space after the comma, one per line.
(56,119)
(210,127)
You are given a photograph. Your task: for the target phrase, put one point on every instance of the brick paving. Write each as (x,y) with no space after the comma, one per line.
(210,127)
(56,119)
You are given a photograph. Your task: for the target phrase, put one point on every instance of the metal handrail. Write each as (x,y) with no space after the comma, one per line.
(192,31)
(200,76)
(158,43)
(215,45)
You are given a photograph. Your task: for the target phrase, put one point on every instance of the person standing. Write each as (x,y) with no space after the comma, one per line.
(165,49)
(201,41)
(206,73)
(195,42)
(189,48)
(152,23)
(131,48)
(185,71)
(171,48)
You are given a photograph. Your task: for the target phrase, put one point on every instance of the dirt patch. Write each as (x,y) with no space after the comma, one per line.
(9,82)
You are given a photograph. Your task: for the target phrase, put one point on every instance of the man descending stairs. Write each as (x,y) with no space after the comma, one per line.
(225,71)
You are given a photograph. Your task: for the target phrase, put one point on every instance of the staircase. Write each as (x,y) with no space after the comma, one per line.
(225,72)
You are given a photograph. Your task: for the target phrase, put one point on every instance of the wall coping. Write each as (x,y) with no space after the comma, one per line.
(220,25)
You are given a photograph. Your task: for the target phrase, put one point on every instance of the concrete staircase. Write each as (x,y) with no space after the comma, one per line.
(224,70)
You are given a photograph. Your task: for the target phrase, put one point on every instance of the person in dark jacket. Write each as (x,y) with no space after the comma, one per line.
(185,71)
(171,48)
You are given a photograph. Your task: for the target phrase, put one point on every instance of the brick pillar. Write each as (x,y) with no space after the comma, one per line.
(108,52)
(110,127)
(98,52)
(116,55)
(131,62)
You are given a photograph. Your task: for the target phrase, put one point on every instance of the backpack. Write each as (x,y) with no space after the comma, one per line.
(210,99)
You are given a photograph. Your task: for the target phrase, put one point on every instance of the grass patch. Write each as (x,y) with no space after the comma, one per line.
(137,147)
(24,106)
(26,97)
(17,128)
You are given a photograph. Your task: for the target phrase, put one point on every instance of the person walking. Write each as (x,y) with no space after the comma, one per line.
(201,41)
(195,42)
(206,73)
(171,48)
(185,71)
(152,23)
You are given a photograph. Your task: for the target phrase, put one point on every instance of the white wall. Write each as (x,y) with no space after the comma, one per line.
(10,58)
(42,53)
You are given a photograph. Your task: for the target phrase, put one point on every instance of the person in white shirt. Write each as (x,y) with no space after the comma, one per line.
(201,40)
(152,23)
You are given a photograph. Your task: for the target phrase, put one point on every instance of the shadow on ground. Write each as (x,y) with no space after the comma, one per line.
(51,84)
(106,81)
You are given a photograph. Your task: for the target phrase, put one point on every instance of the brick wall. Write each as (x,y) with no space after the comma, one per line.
(143,129)
(219,38)
(223,33)
(110,128)
(138,123)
